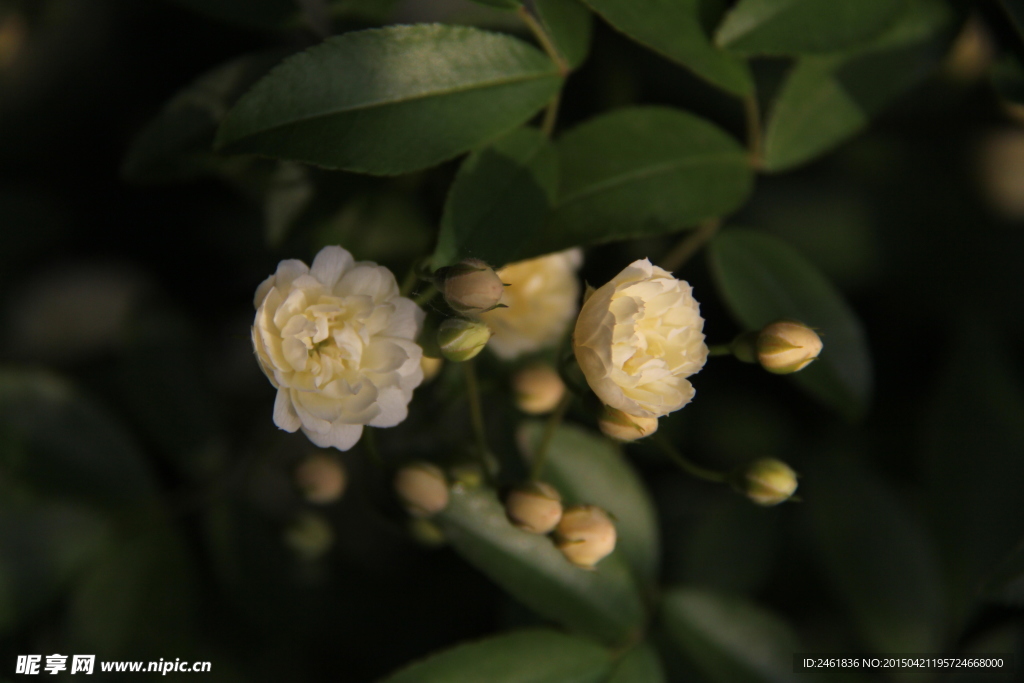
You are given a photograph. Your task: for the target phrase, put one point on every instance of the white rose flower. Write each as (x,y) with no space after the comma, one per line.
(542,296)
(337,342)
(638,338)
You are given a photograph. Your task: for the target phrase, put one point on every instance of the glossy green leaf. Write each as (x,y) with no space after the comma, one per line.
(678,30)
(61,443)
(177,144)
(570,25)
(793,27)
(728,639)
(877,556)
(499,201)
(43,548)
(589,469)
(762,279)
(538,656)
(639,665)
(604,603)
(640,172)
(827,99)
(412,97)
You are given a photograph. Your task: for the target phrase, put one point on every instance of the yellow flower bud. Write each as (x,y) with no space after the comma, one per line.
(766,481)
(431,367)
(538,389)
(535,507)
(787,346)
(585,535)
(426,532)
(625,427)
(471,287)
(310,536)
(422,488)
(462,339)
(321,478)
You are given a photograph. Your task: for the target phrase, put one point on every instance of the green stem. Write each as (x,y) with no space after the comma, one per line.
(425,296)
(411,278)
(541,454)
(753,115)
(551,115)
(685,249)
(370,442)
(545,41)
(476,415)
(690,467)
(719,350)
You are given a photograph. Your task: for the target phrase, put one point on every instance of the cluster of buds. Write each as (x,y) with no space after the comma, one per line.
(782,347)
(470,288)
(584,534)
(766,481)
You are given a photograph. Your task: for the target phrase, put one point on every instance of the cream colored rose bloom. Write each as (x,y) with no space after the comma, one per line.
(337,342)
(638,338)
(542,295)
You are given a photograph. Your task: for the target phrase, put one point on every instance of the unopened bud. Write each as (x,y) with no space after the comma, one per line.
(787,346)
(766,481)
(310,536)
(462,339)
(535,507)
(422,488)
(431,367)
(625,427)
(470,287)
(321,478)
(538,389)
(585,535)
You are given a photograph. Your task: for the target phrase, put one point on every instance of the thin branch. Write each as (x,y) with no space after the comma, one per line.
(685,249)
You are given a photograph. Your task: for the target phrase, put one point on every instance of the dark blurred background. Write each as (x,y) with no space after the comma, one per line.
(147,503)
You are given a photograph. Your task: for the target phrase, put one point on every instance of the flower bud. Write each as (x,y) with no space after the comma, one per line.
(310,536)
(431,367)
(471,287)
(625,427)
(422,488)
(462,339)
(585,535)
(787,346)
(538,389)
(426,532)
(535,507)
(766,481)
(321,478)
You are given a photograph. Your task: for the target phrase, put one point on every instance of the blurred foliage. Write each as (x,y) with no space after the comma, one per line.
(147,503)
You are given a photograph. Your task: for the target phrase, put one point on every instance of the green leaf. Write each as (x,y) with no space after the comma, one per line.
(793,27)
(827,99)
(62,444)
(177,144)
(589,469)
(570,25)
(412,97)
(43,548)
(499,201)
(604,603)
(728,639)
(1006,583)
(639,665)
(677,29)
(877,556)
(538,656)
(762,280)
(640,172)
